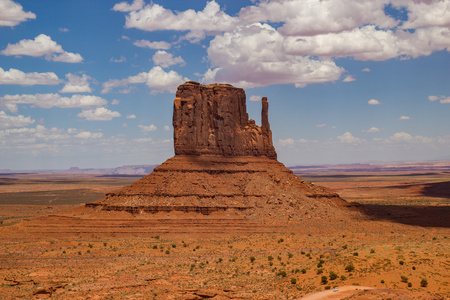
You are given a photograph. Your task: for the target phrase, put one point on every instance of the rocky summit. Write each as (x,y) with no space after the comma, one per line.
(223,162)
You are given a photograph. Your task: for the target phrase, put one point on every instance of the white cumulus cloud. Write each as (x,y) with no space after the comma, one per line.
(254,56)
(99,114)
(286,142)
(372,130)
(154,17)
(156,79)
(148,128)
(77,84)
(14,76)
(255,98)
(165,59)
(42,45)
(404,118)
(153,45)
(7,121)
(348,138)
(12,13)
(349,78)
(10,102)
(131,117)
(442,99)
(125,7)
(373,102)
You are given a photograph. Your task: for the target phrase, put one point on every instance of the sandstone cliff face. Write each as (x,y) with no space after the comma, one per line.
(212,119)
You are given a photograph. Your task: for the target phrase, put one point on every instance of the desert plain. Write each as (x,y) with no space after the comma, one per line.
(396,246)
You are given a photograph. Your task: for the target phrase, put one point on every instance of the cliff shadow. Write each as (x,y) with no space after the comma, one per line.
(416,215)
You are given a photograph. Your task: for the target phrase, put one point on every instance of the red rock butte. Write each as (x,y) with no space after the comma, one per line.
(223,161)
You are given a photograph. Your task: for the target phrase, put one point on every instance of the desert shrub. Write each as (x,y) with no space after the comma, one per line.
(90,246)
(327,287)
(104,244)
(252,259)
(303,271)
(270,263)
(324,280)
(270,257)
(344,247)
(355,254)
(413,267)
(349,268)
(372,250)
(280,241)
(333,276)
(409,284)
(174,246)
(167,252)
(155,247)
(293,280)
(319,271)
(382,281)
(220,259)
(297,271)
(157,237)
(401,262)
(184,245)
(290,255)
(282,273)
(319,265)
(279,257)
(423,283)
(404,278)
(302,253)
(343,277)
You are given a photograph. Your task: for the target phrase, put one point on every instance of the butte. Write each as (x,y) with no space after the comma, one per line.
(224,177)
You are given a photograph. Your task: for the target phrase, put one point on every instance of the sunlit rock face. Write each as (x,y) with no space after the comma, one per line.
(212,119)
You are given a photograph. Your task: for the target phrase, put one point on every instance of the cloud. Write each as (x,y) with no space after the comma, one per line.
(286,142)
(152,45)
(154,17)
(307,18)
(7,121)
(99,114)
(372,130)
(254,56)
(404,118)
(10,102)
(165,59)
(89,135)
(366,70)
(115,102)
(148,128)
(14,76)
(166,128)
(77,84)
(321,125)
(125,7)
(442,99)
(131,117)
(348,138)
(156,79)
(63,29)
(373,102)
(349,78)
(12,14)
(255,98)
(121,59)
(42,45)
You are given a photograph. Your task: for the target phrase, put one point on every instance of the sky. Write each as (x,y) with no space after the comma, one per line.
(91,84)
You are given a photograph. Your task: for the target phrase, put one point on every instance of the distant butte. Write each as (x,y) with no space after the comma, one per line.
(223,162)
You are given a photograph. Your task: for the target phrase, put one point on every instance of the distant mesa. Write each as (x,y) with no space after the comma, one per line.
(223,162)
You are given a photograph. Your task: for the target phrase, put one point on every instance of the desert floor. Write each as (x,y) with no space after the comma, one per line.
(399,250)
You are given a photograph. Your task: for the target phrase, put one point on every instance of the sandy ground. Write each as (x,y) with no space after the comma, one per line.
(403,239)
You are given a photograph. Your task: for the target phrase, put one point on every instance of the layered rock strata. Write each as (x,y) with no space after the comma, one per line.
(223,162)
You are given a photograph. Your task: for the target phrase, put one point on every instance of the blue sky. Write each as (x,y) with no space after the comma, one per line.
(91,83)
